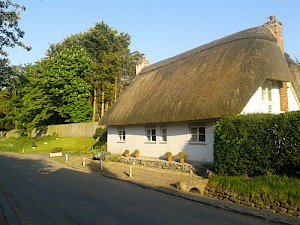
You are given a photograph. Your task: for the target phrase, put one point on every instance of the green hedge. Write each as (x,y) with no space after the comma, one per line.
(256,144)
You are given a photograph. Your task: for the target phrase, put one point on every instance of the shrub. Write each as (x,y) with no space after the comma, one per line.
(168,154)
(101,134)
(258,144)
(181,154)
(136,151)
(126,151)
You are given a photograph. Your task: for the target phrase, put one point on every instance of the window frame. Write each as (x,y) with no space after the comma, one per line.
(267,91)
(163,135)
(121,132)
(152,137)
(198,137)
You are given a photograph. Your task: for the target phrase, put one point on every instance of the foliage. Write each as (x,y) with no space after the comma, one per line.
(112,64)
(269,188)
(112,158)
(168,154)
(181,154)
(100,133)
(10,33)
(258,144)
(126,151)
(10,95)
(136,151)
(56,92)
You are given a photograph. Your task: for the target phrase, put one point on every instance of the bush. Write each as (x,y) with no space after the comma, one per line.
(101,134)
(181,154)
(136,151)
(258,144)
(168,154)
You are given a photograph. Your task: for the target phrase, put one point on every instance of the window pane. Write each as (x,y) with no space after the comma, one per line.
(153,138)
(202,138)
(124,135)
(163,134)
(194,130)
(148,132)
(201,130)
(194,138)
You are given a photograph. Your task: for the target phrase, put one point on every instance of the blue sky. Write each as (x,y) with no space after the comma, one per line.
(158,28)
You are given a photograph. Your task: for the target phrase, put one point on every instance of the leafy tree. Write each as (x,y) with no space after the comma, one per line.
(112,64)
(57,92)
(10,96)
(9,26)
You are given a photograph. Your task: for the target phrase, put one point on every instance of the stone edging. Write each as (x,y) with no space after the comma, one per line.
(163,164)
(252,202)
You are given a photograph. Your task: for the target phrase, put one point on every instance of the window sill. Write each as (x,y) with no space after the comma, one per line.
(198,143)
(121,142)
(150,142)
(162,142)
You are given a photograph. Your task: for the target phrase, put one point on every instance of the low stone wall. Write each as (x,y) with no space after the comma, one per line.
(252,202)
(163,164)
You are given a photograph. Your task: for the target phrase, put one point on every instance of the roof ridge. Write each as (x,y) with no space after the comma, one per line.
(260,32)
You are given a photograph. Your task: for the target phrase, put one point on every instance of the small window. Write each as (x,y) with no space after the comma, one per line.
(122,135)
(267,90)
(163,133)
(197,134)
(151,134)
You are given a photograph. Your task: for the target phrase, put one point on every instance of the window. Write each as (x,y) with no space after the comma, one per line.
(151,134)
(267,90)
(197,134)
(122,136)
(163,134)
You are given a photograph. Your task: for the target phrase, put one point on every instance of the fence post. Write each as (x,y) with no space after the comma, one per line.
(83,161)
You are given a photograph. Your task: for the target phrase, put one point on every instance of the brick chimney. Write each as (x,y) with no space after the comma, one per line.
(141,64)
(276,27)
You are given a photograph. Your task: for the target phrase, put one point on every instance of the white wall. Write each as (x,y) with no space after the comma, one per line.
(257,105)
(177,140)
(293,103)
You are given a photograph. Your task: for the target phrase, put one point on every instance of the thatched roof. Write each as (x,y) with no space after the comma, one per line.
(210,81)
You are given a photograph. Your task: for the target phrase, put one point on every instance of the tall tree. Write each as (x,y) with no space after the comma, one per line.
(57,92)
(9,26)
(112,64)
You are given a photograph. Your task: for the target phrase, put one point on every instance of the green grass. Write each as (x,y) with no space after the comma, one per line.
(269,188)
(68,144)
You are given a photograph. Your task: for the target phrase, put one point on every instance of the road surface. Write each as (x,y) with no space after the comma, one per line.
(45,192)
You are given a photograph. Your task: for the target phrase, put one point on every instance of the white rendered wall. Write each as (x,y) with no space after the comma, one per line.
(257,105)
(293,103)
(178,139)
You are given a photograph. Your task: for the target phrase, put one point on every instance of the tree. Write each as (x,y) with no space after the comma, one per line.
(112,64)
(57,92)
(10,94)
(9,26)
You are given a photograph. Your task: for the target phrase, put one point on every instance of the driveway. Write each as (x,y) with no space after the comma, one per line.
(46,192)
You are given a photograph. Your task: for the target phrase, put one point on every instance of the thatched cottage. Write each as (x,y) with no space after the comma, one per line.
(173,105)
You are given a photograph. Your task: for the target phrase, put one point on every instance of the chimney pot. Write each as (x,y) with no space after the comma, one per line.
(272,18)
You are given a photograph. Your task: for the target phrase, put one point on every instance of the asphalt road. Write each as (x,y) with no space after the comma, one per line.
(45,192)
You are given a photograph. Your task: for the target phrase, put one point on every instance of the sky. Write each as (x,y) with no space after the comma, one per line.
(158,28)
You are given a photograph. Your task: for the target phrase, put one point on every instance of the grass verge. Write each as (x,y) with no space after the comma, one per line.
(269,188)
(46,144)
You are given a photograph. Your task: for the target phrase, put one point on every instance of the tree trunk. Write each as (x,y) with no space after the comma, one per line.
(116,87)
(95,105)
(102,101)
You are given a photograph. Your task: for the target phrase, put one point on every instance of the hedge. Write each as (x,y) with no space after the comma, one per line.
(257,144)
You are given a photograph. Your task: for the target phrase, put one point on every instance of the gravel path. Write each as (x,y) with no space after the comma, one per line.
(145,175)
